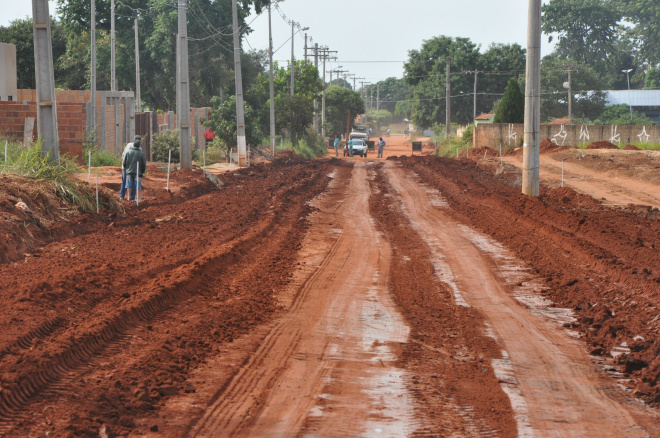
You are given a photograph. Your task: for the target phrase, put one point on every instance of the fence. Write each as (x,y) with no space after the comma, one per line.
(510,135)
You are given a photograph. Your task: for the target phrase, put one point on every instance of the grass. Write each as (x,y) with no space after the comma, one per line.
(29,162)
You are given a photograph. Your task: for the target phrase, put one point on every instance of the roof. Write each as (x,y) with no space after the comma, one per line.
(634,97)
(484,116)
(561,121)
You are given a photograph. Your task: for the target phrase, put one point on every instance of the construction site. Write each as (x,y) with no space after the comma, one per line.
(318,269)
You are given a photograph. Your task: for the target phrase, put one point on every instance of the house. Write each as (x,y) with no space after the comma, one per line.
(484,118)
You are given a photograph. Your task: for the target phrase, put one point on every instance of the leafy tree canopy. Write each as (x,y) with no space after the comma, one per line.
(340,102)
(621,115)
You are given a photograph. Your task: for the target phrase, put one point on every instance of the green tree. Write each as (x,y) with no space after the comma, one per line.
(340,103)
(620,115)
(512,106)
(586,29)
(587,86)
(222,121)
(645,15)
(20,33)
(652,79)
(403,109)
(499,63)
(392,91)
(378,119)
(425,72)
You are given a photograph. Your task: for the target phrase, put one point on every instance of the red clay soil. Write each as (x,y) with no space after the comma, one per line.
(102,326)
(601,262)
(631,147)
(439,329)
(602,145)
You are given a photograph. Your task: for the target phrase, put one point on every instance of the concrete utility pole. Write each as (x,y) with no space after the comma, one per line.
(184,89)
(240,107)
(531,145)
(113,74)
(378,97)
(448,99)
(138,100)
(305,47)
(45,77)
(293,61)
(272,85)
(474,111)
(355,79)
(93,71)
(178,81)
(316,103)
(627,72)
(325,55)
(570,96)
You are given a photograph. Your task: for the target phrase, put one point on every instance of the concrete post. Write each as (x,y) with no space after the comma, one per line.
(113,74)
(93,70)
(474,110)
(118,139)
(531,142)
(323,98)
(272,85)
(240,108)
(138,100)
(184,90)
(316,102)
(293,62)
(448,99)
(45,77)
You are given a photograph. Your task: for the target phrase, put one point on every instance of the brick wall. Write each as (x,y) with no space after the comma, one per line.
(71,120)
(511,135)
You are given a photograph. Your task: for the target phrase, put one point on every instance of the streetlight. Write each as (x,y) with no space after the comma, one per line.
(627,72)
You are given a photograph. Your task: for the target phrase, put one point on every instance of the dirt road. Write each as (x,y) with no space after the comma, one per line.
(624,180)
(340,298)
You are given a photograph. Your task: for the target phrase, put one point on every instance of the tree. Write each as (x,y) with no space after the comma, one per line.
(378,119)
(512,106)
(403,109)
(652,79)
(586,29)
(645,14)
(392,91)
(620,115)
(222,121)
(340,103)
(587,86)
(499,63)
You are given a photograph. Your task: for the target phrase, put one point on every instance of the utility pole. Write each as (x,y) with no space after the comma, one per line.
(113,73)
(316,102)
(627,72)
(138,100)
(305,47)
(272,86)
(378,97)
(474,110)
(569,86)
(184,90)
(325,55)
(355,79)
(293,62)
(240,107)
(45,78)
(448,99)
(531,143)
(93,71)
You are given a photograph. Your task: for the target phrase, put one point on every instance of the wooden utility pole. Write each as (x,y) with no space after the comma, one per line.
(305,47)
(45,78)
(184,89)
(531,142)
(378,97)
(240,108)
(448,99)
(138,100)
(113,67)
(93,71)
(272,86)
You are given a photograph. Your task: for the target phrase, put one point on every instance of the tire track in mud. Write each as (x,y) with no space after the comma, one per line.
(156,298)
(600,262)
(449,354)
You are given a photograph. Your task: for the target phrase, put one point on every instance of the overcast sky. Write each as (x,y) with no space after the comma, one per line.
(372,37)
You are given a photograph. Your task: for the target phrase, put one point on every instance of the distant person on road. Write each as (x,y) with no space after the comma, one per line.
(336,144)
(209,136)
(134,157)
(381,145)
(349,143)
(122,190)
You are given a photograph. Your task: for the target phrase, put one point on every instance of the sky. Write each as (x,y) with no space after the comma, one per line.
(372,37)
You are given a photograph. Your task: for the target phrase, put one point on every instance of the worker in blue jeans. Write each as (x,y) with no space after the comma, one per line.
(122,189)
(381,145)
(336,144)
(134,161)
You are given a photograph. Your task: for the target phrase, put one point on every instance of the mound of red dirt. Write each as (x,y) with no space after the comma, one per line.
(602,145)
(631,147)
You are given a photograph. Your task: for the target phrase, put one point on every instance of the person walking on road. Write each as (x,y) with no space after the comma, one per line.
(381,145)
(122,189)
(349,143)
(134,157)
(336,144)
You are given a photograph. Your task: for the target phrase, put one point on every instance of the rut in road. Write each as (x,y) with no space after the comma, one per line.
(563,395)
(327,367)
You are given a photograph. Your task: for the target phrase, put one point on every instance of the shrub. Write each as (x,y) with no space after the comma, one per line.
(468,134)
(165,142)
(511,108)
(310,146)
